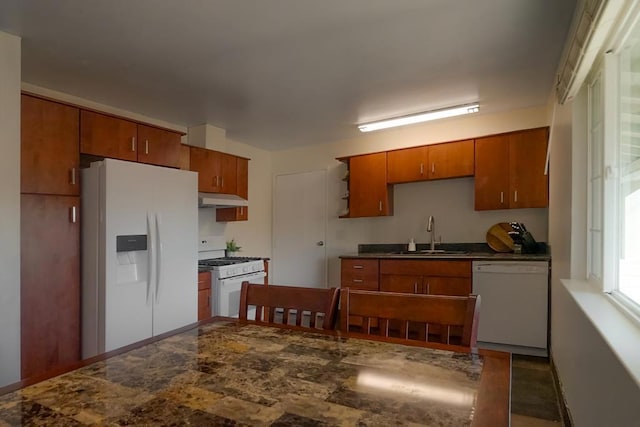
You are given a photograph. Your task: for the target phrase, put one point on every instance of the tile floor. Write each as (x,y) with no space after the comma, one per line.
(534,400)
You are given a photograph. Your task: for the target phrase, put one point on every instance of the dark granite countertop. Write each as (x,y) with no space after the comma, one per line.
(225,374)
(472,251)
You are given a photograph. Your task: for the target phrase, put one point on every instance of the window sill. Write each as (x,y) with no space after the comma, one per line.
(619,331)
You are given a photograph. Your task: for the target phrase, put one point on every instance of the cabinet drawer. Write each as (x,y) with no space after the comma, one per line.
(461,268)
(360,274)
(204,280)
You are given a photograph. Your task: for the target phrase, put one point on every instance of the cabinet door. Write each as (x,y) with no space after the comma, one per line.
(492,172)
(242,189)
(185,157)
(158,146)
(359,274)
(226,171)
(107,136)
(49,147)
(50,283)
(401,283)
(201,161)
(204,304)
(451,160)
(456,286)
(528,185)
(368,191)
(407,165)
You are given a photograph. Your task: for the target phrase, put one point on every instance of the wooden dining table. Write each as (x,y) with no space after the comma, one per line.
(227,373)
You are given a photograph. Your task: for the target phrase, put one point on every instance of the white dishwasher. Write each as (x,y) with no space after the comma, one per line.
(514,305)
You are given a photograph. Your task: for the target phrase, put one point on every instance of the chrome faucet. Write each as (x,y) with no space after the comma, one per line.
(431,228)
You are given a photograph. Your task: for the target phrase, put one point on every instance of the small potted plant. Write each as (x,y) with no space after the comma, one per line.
(232,248)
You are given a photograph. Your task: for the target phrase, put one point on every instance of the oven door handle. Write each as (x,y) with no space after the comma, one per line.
(245,277)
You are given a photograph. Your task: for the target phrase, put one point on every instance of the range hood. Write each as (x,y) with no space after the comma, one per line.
(217,200)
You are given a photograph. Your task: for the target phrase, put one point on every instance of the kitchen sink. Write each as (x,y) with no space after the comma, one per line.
(430,252)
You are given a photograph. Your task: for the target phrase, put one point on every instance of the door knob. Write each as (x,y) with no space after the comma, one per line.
(320,243)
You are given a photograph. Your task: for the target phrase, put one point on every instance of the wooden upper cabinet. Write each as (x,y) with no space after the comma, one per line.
(528,185)
(447,160)
(108,136)
(185,157)
(369,194)
(510,170)
(242,189)
(201,161)
(158,146)
(226,172)
(407,165)
(49,147)
(451,160)
(492,173)
(216,171)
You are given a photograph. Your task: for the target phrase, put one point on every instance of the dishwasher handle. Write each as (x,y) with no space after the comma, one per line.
(511,268)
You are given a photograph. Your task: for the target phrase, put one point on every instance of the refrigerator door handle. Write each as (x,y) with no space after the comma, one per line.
(159,256)
(150,253)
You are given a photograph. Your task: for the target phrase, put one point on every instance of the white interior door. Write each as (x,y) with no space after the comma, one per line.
(300,220)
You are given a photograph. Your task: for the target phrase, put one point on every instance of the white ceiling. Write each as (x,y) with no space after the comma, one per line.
(283,73)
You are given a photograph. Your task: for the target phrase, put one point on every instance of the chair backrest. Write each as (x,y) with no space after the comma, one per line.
(411,316)
(289,305)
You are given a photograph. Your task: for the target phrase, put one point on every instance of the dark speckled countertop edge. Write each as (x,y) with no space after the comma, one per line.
(473,251)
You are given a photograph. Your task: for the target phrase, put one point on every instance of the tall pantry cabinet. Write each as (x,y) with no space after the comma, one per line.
(50,268)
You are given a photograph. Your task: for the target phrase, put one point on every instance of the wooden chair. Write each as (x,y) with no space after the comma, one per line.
(280,305)
(439,312)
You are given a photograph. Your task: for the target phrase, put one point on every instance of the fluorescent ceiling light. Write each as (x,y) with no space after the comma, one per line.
(422,117)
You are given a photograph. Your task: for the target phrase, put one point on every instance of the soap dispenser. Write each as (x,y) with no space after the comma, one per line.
(412,246)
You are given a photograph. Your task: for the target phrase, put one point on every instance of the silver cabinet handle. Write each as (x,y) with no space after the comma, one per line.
(433,167)
(73,214)
(427,288)
(501,197)
(515,196)
(357,280)
(222,181)
(73,176)
(146,146)
(358,266)
(421,168)
(133,143)
(241,210)
(415,288)
(380,205)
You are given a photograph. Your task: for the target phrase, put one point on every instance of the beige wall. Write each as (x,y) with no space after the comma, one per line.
(449,201)
(9,209)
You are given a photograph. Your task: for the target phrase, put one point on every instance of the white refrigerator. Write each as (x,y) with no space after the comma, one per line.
(139,253)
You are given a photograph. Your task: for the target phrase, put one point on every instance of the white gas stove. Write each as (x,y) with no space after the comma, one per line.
(227,274)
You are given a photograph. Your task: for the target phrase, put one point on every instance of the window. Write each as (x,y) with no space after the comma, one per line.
(595,176)
(626,212)
(613,188)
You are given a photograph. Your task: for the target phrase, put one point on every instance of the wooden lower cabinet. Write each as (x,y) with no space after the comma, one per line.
(434,277)
(50,288)
(204,295)
(361,274)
